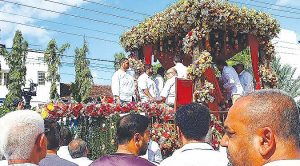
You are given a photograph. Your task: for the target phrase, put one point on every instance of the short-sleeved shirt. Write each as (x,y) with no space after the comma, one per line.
(121,159)
(143,83)
(169,91)
(122,85)
(55,160)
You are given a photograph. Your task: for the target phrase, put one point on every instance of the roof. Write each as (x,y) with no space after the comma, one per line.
(185,15)
(97,90)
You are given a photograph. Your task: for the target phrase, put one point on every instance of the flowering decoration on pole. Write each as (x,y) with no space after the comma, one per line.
(136,64)
(268,76)
(192,39)
(202,94)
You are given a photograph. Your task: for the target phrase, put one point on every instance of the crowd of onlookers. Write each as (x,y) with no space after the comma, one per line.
(262,128)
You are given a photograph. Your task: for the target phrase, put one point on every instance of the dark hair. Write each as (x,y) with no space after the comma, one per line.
(123,60)
(193,120)
(177,59)
(161,71)
(77,148)
(147,67)
(221,62)
(52,133)
(65,136)
(129,125)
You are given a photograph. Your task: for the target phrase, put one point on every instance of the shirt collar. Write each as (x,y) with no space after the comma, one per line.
(199,145)
(283,162)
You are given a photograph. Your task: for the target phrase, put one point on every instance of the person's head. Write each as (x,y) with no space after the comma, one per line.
(124,64)
(148,69)
(22,137)
(261,127)
(78,148)
(161,71)
(133,132)
(220,64)
(239,68)
(171,73)
(192,122)
(52,135)
(177,59)
(65,136)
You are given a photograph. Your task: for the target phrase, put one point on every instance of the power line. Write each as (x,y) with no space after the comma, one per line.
(289,7)
(93,77)
(281,41)
(278,15)
(72,15)
(281,10)
(94,11)
(59,31)
(118,8)
(59,23)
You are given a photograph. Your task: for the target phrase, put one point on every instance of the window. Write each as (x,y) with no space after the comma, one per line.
(5,78)
(41,77)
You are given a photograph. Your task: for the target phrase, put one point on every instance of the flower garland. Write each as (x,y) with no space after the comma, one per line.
(136,64)
(202,94)
(201,62)
(192,39)
(268,76)
(183,16)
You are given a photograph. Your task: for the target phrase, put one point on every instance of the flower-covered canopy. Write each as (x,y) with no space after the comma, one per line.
(185,15)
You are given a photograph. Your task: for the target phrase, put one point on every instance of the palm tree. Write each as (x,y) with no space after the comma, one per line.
(287,81)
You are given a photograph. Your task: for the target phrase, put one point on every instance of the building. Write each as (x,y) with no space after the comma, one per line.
(36,72)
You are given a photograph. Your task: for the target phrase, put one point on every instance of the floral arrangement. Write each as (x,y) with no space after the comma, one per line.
(165,135)
(192,39)
(202,94)
(136,64)
(201,62)
(185,15)
(268,76)
(58,110)
(217,131)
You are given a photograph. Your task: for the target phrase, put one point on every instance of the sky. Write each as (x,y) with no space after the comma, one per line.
(104,22)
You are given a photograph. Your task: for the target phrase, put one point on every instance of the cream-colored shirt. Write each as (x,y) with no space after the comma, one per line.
(284,163)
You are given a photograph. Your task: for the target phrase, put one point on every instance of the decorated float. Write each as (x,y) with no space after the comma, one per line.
(201,32)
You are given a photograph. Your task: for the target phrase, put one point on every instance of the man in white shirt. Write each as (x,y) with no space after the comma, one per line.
(180,68)
(263,128)
(122,85)
(153,153)
(78,151)
(159,80)
(169,90)
(245,77)
(231,82)
(146,86)
(192,122)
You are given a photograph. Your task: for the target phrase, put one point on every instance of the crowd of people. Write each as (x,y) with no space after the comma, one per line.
(148,88)
(235,82)
(262,128)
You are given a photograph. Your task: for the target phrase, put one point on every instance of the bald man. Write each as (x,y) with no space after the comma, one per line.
(262,128)
(78,151)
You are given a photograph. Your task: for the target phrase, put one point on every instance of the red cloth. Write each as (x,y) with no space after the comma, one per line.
(184,92)
(210,76)
(254,46)
(147,51)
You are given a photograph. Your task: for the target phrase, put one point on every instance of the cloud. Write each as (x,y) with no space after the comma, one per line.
(39,35)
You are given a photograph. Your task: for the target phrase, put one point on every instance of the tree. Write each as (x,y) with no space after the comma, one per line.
(16,60)
(52,58)
(83,78)
(287,81)
(243,57)
(118,57)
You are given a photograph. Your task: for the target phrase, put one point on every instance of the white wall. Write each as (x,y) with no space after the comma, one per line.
(34,63)
(288,49)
